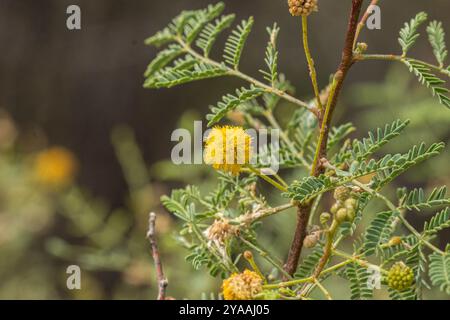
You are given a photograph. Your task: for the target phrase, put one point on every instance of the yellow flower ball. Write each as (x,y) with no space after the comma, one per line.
(228,149)
(55,167)
(400,277)
(242,286)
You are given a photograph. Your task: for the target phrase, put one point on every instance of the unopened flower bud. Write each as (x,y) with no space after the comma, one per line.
(325,217)
(310,240)
(341,215)
(302,7)
(341,193)
(394,241)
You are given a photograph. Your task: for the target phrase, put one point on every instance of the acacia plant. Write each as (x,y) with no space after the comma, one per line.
(221,228)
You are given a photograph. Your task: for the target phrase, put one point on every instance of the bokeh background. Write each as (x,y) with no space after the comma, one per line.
(82,90)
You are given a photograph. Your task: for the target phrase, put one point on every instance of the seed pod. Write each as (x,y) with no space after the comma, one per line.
(302,7)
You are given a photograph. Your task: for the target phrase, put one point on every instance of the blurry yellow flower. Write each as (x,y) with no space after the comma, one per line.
(55,167)
(228,149)
(242,286)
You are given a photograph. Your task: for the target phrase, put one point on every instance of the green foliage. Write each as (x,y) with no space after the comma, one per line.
(386,169)
(271,59)
(417,200)
(362,149)
(379,231)
(436,36)
(236,42)
(231,102)
(356,164)
(409,34)
(359,279)
(209,35)
(440,271)
(309,263)
(438,222)
(338,134)
(431,81)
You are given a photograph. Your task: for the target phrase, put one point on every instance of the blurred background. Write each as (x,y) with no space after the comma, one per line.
(84,148)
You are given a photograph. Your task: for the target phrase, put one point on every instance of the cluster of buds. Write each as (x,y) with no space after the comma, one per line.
(220,231)
(400,277)
(302,7)
(344,209)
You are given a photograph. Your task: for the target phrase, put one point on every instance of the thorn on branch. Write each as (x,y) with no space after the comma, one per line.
(151,236)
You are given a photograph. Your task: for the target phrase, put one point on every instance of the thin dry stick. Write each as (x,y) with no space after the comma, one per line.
(151,236)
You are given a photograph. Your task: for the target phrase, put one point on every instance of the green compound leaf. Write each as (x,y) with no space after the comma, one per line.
(163,58)
(174,76)
(416,199)
(438,222)
(439,271)
(362,149)
(379,231)
(436,36)
(209,34)
(231,102)
(428,79)
(195,25)
(359,282)
(236,42)
(409,34)
(271,59)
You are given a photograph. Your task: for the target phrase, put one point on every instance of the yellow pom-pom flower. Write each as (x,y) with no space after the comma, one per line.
(400,277)
(228,149)
(242,286)
(55,167)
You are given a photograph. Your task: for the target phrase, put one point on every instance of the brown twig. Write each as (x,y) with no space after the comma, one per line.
(151,236)
(346,63)
(295,251)
(303,210)
(339,77)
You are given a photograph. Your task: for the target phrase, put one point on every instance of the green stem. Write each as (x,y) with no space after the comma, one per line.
(323,289)
(266,178)
(312,69)
(324,127)
(264,254)
(362,263)
(392,57)
(309,279)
